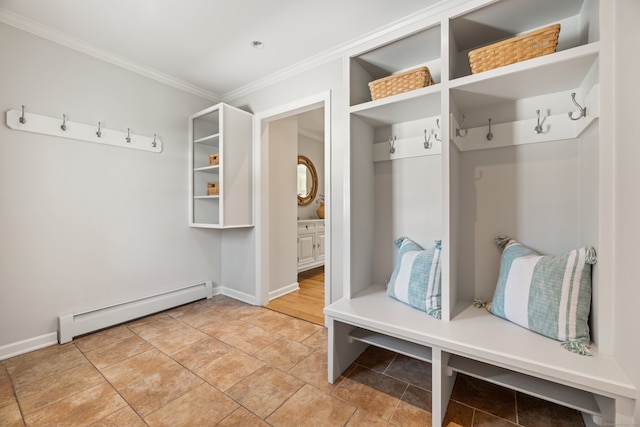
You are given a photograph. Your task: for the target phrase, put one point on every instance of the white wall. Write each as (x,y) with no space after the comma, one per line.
(314,150)
(627,196)
(84,225)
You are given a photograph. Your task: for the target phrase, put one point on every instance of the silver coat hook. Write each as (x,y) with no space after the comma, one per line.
(99,132)
(392,144)
(128,138)
(63,126)
(435,135)
(490,134)
(538,128)
(154,143)
(22,119)
(583,110)
(459,129)
(427,140)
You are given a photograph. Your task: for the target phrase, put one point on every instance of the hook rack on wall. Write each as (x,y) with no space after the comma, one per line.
(417,139)
(19,120)
(527,131)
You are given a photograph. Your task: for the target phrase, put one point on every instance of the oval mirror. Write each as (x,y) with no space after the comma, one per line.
(307,181)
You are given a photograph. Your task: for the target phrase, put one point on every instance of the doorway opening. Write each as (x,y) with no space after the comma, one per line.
(293,259)
(307,302)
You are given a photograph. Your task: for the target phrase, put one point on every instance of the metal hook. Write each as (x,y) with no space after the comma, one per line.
(459,129)
(427,140)
(583,110)
(538,128)
(63,126)
(128,138)
(22,119)
(490,134)
(154,143)
(392,144)
(435,135)
(99,133)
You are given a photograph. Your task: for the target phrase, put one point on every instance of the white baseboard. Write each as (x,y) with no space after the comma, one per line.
(284,290)
(46,340)
(240,296)
(30,344)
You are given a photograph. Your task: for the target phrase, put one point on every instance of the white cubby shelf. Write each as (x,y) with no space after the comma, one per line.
(540,186)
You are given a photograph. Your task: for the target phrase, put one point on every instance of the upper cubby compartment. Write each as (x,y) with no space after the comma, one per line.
(206,127)
(509,18)
(421,48)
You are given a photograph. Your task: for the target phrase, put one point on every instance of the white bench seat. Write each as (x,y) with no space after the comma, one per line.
(481,345)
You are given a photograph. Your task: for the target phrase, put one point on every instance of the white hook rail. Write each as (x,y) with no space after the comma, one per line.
(29,122)
(540,129)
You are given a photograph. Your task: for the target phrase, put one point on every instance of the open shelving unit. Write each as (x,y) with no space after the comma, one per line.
(224,131)
(535,175)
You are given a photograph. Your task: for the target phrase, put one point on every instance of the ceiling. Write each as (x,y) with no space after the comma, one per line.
(207,44)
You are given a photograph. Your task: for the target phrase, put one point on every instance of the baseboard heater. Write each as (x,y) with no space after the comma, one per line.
(73,325)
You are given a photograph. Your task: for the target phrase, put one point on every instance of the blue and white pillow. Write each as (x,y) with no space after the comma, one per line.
(417,276)
(550,295)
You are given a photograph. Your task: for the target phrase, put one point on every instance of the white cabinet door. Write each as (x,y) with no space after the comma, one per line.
(320,246)
(306,246)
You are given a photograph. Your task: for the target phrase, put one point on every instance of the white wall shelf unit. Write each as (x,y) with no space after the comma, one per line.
(224,131)
(541,186)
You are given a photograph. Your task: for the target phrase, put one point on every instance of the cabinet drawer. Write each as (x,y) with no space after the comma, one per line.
(304,226)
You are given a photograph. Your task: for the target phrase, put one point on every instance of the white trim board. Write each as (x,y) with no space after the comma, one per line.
(30,344)
(261,120)
(284,291)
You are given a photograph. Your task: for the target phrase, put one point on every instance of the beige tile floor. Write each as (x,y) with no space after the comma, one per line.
(222,362)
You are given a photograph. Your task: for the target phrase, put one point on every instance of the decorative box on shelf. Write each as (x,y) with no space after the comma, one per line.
(401,82)
(214,159)
(531,45)
(213,188)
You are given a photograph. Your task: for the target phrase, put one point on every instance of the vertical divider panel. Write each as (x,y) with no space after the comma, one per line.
(448,247)
(443,380)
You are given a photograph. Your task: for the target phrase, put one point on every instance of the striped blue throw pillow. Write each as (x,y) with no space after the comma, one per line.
(416,278)
(550,295)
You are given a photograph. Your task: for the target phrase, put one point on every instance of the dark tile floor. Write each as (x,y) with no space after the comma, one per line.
(222,362)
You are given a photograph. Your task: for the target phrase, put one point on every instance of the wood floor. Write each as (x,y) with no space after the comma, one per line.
(307,302)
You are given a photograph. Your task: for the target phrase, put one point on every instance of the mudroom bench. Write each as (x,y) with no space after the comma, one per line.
(480,345)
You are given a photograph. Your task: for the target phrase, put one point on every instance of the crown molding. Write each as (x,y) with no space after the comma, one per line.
(33,27)
(342,49)
(48,33)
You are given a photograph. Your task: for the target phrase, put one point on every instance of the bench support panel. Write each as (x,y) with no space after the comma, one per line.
(342,349)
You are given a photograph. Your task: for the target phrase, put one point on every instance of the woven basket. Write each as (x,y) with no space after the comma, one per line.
(537,43)
(401,82)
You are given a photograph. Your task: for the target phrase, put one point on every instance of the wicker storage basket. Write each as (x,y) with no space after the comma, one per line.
(401,82)
(537,43)
(213,188)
